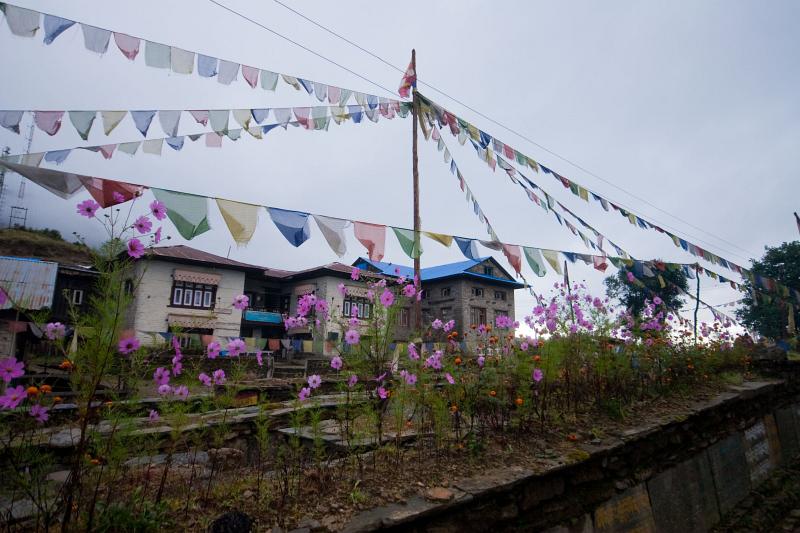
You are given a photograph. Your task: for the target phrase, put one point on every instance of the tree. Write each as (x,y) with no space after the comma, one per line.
(768,313)
(633,296)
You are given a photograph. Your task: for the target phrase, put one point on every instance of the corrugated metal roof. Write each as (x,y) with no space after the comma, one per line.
(29,283)
(460,268)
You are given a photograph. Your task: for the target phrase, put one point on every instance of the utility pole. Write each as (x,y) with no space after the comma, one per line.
(696,299)
(415,134)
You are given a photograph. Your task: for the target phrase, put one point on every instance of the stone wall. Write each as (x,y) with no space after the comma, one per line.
(671,476)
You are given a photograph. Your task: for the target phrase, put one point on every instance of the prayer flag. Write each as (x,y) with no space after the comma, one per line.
(512,253)
(269,80)
(176,143)
(409,80)
(293,225)
(95,39)
(207,66)
(156,55)
(534,257)
(599,263)
(10,120)
(152,146)
(213,139)
(57,156)
(62,184)
(240,218)
(143,119)
(467,247)
(104,191)
(181,61)
(373,237)
(54,26)
(169,121)
(111,119)
(250,75)
(228,71)
(409,242)
(200,116)
(242,116)
(259,115)
(188,212)
(129,46)
(552,257)
(48,121)
(82,120)
(441,238)
(219,120)
(22,22)
(333,231)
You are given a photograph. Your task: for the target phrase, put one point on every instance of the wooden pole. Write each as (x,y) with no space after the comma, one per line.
(697,301)
(415,134)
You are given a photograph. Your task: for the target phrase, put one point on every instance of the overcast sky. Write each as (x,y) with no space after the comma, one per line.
(691,105)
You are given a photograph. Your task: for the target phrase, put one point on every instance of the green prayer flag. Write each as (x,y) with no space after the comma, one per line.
(188,212)
(411,246)
(534,257)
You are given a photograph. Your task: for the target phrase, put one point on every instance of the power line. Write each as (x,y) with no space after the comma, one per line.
(507,128)
(329,60)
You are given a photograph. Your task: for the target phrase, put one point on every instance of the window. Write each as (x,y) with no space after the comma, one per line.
(77,296)
(488,271)
(477,291)
(405,317)
(500,295)
(357,306)
(445,292)
(477,315)
(194,295)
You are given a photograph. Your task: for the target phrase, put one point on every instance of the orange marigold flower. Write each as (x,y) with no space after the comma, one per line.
(58,399)
(453,408)
(32,391)
(95,461)
(46,389)
(572,436)
(492,393)
(457,360)
(537,358)
(66,364)
(519,401)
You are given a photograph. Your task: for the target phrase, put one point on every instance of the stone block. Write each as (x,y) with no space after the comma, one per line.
(683,497)
(730,471)
(536,491)
(581,525)
(628,511)
(787,432)
(758,452)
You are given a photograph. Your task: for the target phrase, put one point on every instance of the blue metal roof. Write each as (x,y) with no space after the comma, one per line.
(435,272)
(29,283)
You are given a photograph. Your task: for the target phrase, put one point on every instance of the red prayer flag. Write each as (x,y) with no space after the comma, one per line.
(409,80)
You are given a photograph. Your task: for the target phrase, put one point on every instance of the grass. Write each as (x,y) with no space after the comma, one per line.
(42,244)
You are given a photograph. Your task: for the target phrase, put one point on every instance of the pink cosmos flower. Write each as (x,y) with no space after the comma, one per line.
(387,298)
(55,330)
(154,416)
(213,350)
(88,208)
(352,337)
(157,236)
(657,301)
(524,346)
(118,198)
(177,366)
(219,376)
(352,380)
(314,381)
(181,391)
(204,378)
(135,248)
(437,324)
(161,376)
(354,322)
(449,325)
(39,412)
(321,307)
(411,379)
(164,389)
(305,392)
(128,345)
(236,347)
(158,209)
(336,363)
(409,291)
(259,359)
(143,224)
(449,378)
(370,294)
(537,375)
(383,393)
(355,274)
(12,397)
(3,297)
(241,302)
(631,277)
(342,289)
(413,354)
(10,368)
(481,361)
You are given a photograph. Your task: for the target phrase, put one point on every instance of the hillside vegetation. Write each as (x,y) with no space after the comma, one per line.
(42,244)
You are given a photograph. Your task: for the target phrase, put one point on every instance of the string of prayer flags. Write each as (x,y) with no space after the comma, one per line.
(25,23)
(373,237)
(240,218)
(409,242)
(294,225)
(188,212)
(481,140)
(333,231)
